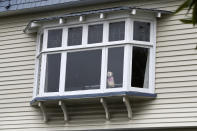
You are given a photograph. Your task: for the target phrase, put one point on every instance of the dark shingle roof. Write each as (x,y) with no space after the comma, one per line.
(6,5)
(17,5)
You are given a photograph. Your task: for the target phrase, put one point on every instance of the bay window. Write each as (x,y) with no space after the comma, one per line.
(97,57)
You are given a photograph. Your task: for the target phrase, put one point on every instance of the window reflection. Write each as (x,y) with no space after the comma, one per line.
(116,31)
(74,36)
(95,33)
(115,67)
(52,73)
(83,70)
(54,38)
(141,31)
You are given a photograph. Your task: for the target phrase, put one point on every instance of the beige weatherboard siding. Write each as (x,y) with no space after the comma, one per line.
(176,75)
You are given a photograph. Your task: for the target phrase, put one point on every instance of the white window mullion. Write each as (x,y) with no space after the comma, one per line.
(151,71)
(62,73)
(104,68)
(132,29)
(84,35)
(45,39)
(153,32)
(36,79)
(104,57)
(105,31)
(64,37)
(43,74)
(127,67)
(128,30)
(39,43)
(152,57)
(37,61)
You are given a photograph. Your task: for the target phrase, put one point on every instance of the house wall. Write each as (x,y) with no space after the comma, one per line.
(176,85)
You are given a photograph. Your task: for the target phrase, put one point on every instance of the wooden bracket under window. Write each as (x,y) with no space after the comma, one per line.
(107,115)
(43,109)
(128,106)
(64,109)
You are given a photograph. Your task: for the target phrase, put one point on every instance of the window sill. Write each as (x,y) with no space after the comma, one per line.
(140,95)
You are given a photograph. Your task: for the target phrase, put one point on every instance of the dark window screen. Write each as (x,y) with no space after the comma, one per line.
(139,66)
(52,73)
(83,70)
(41,42)
(117,31)
(95,33)
(115,67)
(74,36)
(141,31)
(54,38)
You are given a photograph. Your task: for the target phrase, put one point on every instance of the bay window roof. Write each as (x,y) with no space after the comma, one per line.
(33,24)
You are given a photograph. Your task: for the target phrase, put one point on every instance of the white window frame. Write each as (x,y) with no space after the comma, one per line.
(128,43)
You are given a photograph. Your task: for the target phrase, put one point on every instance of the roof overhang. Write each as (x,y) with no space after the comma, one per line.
(34,24)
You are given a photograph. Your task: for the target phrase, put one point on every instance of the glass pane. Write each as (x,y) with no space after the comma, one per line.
(95,33)
(52,73)
(54,38)
(74,36)
(115,67)
(116,31)
(83,70)
(140,67)
(41,42)
(141,31)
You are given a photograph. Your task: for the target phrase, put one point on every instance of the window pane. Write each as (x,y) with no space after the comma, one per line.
(83,70)
(95,33)
(52,73)
(115,67)
(41,42)
(74,36)
(116,31)
(140,67)
(141,31)
(54,38)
